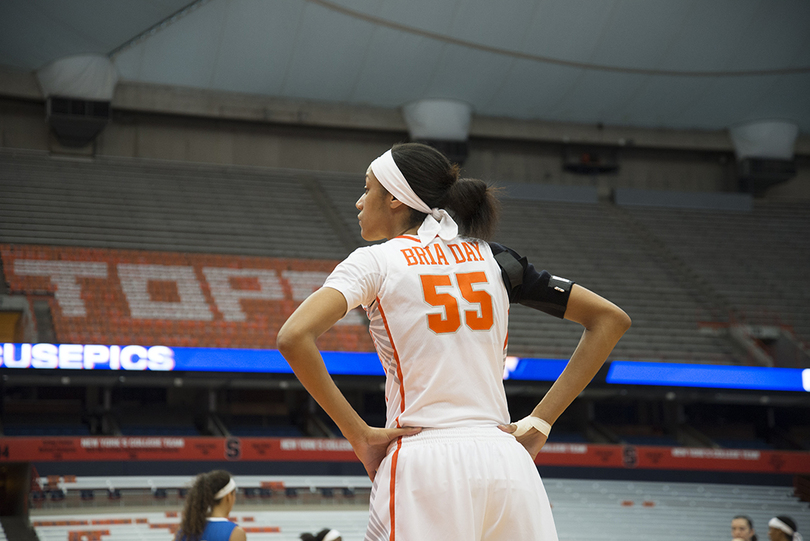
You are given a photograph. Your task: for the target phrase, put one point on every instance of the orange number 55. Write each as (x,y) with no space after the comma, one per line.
(451,320)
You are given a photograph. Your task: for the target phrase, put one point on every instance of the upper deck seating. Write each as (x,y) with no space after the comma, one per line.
(158,205)
(589,244)
(757,261)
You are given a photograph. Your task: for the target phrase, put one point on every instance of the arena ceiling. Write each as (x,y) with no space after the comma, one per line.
(651,63)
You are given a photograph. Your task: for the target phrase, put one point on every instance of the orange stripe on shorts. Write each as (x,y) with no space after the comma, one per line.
(391,508)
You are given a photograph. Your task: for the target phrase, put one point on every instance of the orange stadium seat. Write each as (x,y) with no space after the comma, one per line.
(240,311)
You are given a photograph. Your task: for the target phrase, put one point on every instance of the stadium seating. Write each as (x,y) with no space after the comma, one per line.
(583,510)
(312,483)
(735,436)
(232,307)
(140,204)
(623,253)
(756,261)
(155,420)
(160,526)
(603,510)
(44,418)
(45,430)
(592,245)
(271,431)
(343,192)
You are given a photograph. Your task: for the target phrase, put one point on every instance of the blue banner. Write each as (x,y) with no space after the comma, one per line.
(166,359)
(712,376)
(270,361)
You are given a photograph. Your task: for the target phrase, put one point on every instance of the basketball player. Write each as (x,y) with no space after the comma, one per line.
(208,504)
(783,528)
(743,528)
(324,535)
(448,464)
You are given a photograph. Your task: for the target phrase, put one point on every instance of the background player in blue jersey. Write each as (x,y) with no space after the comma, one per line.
(208,504)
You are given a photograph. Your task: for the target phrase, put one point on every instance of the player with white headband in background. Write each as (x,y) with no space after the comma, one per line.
(205,514)
(783,528)
(448,464)
(324,535)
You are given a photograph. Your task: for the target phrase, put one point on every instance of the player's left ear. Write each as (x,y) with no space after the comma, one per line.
(395,203)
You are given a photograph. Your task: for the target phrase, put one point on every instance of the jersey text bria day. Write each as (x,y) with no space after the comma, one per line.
(434,255)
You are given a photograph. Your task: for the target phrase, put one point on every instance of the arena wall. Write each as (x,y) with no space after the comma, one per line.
(171,123)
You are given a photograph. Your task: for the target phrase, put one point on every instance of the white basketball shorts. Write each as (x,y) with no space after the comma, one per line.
(471,484)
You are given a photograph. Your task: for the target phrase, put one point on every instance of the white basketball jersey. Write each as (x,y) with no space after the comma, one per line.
(438,317)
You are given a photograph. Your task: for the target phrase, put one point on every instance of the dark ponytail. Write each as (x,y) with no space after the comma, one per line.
(199,501)
(474,205)
(435,180)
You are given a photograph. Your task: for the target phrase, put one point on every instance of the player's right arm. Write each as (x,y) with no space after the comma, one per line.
(296,342)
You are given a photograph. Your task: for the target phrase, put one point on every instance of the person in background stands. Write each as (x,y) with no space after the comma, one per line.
(208,504)
(743,528)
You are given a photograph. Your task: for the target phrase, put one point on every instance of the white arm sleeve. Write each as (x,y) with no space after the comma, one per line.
(358,277)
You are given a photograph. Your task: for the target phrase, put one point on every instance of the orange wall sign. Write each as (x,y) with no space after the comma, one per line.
(91,448)
(106,296)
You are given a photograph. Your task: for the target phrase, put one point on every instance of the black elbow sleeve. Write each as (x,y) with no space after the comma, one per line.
(538,290)
(547,293)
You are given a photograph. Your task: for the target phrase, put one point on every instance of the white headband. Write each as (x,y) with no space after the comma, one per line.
(437,222)
(224,491)
(331,535)
(779,525)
